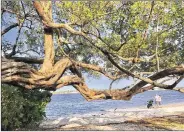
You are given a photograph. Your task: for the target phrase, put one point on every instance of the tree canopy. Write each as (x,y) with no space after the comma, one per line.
(57,42)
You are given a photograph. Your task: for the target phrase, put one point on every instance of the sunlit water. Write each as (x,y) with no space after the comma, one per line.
(63,105)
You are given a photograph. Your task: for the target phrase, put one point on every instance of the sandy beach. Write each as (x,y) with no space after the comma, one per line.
(165,117)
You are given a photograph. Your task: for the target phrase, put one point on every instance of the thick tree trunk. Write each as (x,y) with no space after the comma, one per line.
(49,51)
(48,63)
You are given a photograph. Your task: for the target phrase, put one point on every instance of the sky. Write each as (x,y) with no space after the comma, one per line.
(99,83)
(104,82)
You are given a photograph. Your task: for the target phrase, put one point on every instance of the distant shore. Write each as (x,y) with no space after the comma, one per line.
(165,117)
(73,92)
(76,92)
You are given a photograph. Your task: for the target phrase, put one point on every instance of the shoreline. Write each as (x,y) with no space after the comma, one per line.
(137,118)
(76,92)
(65,93)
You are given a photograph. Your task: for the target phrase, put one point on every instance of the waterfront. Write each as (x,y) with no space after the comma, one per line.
(65,105)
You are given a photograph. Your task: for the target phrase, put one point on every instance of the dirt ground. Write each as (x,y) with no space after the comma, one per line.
(148,124)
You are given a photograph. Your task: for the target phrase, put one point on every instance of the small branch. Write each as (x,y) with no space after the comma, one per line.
(26,51)
(27,60)
(171,71)
(60,42)
(16,41)
(9,28)
(23,8)
(179,89)
(156,49)
(175,83)
(9,11)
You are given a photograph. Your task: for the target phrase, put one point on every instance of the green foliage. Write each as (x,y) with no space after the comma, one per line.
(130,24)
(22,108)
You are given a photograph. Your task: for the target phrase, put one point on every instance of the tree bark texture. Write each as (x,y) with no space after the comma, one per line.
(52,74)
(48,40)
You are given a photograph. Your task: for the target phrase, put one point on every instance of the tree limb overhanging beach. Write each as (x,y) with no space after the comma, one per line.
(55,71)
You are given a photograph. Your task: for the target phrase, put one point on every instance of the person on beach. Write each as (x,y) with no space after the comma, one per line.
(150,104)
(158,99)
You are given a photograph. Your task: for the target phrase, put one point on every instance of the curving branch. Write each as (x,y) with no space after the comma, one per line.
(78,64)
(22,74)
(171,71)
(9,28)
(118,94)
(53,75)
(13,72)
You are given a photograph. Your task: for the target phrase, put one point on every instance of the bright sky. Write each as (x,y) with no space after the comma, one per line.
(101,83)
(104,82)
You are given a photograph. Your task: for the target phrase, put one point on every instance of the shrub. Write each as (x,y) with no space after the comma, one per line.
(21,108)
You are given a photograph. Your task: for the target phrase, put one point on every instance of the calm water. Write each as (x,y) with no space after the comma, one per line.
(69,104)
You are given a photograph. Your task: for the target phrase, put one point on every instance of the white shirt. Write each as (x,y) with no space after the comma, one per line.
(158,98)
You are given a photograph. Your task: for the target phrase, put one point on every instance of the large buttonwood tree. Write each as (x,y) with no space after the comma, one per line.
(57,42)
